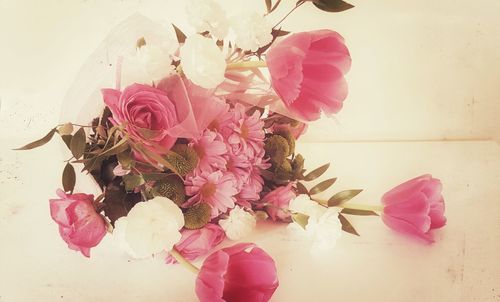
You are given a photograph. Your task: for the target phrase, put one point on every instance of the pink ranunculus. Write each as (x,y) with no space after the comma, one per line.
(242,272)
(307,72)
(415,207)
(196,243)
(276,202)
(79,224)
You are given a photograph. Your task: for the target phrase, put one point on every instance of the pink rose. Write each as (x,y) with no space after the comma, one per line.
(79,224)
(158,116)
(415,207)
(242,272)
(277,202)
(196,243)
(307,71)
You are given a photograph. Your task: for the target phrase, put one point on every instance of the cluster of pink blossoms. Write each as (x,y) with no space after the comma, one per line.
(231,154)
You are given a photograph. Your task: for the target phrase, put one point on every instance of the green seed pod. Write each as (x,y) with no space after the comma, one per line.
(289,138)
(183,158)
(284,171)
(277,149)
(197,216)
(171,187)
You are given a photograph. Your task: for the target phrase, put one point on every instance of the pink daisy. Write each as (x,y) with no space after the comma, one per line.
(215,188)
(250,191)
(211,150)
(246,130)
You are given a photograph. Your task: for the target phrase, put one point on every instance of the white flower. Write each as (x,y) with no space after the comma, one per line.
(150,227)
(239,224)
(149,64)
(323,226)
(207,15)
(303,204)
(252,31)
(156,61)
(202,61)
(324,230)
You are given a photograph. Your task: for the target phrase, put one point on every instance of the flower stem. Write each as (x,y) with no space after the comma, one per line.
(246,65)
(366,207)
(184,261)
(354,206)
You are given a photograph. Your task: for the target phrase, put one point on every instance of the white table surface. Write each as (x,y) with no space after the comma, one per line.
(462,265)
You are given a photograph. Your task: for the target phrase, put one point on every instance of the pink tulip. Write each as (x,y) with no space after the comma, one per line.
(277,202)
(242,272)
(196,243)
(79,224)
(415,207)
(307,72)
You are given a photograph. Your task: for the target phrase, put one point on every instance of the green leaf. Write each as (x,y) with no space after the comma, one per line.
(39,142)
(119,147)
(279,32)
(77,145)
(322,186)
(302,189)
(316,172)
(333,6)
(132,181)
(125,159)
(269,5)
(67,139)
(347,226)
(69,178)
(342,197)
(358,212)
(300,219)
(181,37)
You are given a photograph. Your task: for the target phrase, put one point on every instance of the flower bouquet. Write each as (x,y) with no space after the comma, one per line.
(200,147)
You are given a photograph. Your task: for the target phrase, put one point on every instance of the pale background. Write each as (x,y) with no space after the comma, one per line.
(422,71)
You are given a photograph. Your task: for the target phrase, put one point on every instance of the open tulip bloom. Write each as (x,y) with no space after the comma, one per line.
(201,148)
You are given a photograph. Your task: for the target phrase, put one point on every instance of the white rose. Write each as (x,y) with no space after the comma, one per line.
(150,227)
(202,61)
(239,224)
(323,226)
(251,30)
(207,15)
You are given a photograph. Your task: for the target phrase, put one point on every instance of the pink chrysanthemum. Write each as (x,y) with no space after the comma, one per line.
(240,166)
(250,191)
(215,188)
(211,150)
(246,130)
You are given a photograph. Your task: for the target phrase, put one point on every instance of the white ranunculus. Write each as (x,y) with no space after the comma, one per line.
(202,61)
(239,224)
(150,227)
(207,15)
(323,226)
(251,30)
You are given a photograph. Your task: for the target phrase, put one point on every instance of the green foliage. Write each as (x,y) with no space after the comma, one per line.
(322,186)
(68,178)
(78,142)
(342,197)
(358,212)
(300,219)
(40,142)
(347,226)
